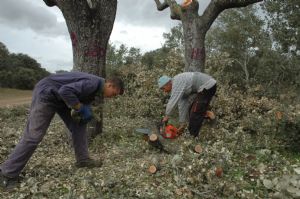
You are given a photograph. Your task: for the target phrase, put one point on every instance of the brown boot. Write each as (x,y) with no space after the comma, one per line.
(89,163)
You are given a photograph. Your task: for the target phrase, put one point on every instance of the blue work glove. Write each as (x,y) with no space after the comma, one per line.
(85,112)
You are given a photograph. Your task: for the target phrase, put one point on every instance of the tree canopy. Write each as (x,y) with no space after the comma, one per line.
(19,70)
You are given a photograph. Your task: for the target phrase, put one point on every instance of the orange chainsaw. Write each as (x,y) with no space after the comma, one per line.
(168,131)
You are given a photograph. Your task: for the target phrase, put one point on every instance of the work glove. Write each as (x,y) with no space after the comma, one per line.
(83,114)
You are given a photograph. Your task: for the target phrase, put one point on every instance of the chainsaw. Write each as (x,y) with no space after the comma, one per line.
(167,131)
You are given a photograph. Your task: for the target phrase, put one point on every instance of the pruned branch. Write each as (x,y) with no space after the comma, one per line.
(50,3)
(174,8)
(161,6)
(215,7)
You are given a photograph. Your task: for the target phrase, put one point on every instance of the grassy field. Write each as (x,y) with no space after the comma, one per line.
(13,97)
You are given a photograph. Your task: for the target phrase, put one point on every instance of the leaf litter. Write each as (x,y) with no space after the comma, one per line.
(247,153)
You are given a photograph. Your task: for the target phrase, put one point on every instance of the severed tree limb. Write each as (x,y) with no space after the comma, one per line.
(154,141)
(154,166)
(50,3)
(198,148)
(215,7)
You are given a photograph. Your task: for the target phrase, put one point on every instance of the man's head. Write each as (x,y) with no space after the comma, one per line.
(113,86)
(165,83)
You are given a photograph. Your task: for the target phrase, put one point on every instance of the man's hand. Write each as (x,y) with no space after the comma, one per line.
(84,112)
(181,128)
(165,119)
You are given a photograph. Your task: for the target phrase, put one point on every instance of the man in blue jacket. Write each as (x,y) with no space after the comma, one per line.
(61,93)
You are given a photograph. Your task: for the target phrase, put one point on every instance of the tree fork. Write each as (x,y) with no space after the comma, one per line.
(195,27)
(174,7)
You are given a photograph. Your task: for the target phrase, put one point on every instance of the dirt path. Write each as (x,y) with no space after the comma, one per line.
(15,102)
(14,97)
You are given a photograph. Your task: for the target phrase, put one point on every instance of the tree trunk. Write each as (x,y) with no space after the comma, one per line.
(194,40)
(195,27)
(89,23)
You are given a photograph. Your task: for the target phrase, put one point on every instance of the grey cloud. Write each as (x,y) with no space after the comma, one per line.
(145,13)
(27,14)
(52,64)
(124,32)
(35,15)
(117,42)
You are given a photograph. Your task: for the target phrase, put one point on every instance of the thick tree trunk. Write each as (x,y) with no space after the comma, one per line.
(89,23)
(194,38)
(194,42)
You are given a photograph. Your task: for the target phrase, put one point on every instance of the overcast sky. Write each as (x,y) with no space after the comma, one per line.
(32,28)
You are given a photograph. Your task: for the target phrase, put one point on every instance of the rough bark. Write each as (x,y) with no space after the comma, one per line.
(195,27)
(89,23)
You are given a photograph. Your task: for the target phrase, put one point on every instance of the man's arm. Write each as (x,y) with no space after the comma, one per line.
(178,88)
(183,109)
(70,92)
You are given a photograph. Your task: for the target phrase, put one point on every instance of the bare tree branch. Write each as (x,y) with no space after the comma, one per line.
(174,8)
(50,3)
(92,4)
(161,6)
(235,3)
(215,7)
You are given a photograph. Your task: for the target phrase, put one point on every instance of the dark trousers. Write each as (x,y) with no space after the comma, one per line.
(40,116)
(199,108)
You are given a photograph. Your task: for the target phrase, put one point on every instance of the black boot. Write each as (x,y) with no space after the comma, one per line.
(7,183)
(89,163)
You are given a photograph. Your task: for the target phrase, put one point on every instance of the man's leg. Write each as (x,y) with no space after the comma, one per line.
(197,114)
(38,121)
(78,133)
(198,110)
(80,141)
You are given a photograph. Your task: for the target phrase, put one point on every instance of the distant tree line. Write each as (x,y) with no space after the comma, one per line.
(19,70)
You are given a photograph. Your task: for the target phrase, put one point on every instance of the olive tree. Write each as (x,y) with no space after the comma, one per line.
(195,26)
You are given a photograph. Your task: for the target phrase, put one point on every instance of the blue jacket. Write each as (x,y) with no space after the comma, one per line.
(70,88)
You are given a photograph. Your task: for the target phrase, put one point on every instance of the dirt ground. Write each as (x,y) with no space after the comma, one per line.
(250,151)
(14,97)
(15,102)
